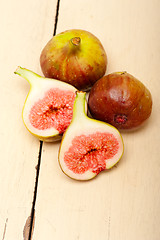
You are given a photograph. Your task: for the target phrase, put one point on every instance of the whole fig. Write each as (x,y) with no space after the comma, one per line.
(121,100)
(76,57)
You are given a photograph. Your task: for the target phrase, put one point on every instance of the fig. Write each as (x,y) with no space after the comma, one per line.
(48,108)
(88,146)
(74,56)
(120,100)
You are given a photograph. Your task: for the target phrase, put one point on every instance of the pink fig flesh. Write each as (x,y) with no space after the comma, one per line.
(91,152)
(54,110)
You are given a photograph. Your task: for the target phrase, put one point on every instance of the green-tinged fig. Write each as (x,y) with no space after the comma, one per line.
(48,108)
(88,146)
(121,100)
(76,57)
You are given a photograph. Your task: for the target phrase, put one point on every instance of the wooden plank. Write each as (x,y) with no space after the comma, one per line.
(123,203)
(24,28)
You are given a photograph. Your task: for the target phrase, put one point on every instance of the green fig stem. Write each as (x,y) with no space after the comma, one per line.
(76,41)
(121,73)
(30,76)
(79,106)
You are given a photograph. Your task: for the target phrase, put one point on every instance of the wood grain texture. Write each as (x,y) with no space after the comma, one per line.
(22,33)
(124,202)
(121,204)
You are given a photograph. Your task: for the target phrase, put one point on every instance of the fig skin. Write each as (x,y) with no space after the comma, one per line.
(76,57)
(121,100)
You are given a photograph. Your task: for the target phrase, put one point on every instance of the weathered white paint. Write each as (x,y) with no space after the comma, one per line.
(121,204)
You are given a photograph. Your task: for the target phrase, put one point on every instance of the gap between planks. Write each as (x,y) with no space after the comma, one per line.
(31,225)
(5,227)
(31,220)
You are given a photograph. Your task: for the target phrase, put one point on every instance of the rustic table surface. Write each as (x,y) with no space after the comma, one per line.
(37,201)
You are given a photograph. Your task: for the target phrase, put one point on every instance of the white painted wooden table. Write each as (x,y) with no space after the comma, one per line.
(122,204)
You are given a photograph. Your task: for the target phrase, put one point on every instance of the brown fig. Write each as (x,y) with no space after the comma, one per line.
(121,100)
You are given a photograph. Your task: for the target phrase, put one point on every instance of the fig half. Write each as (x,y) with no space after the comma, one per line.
(121,100)
(88,146)
(48,108)
(74,56)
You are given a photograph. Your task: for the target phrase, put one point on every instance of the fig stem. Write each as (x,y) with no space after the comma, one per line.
(30,76)
(79,106)
(76,41)
(121,73)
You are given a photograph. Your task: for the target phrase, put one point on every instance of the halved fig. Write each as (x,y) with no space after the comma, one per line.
(88,146)
(48,108)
